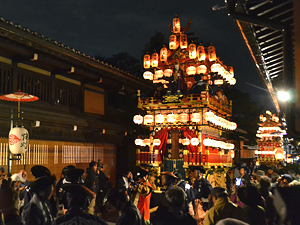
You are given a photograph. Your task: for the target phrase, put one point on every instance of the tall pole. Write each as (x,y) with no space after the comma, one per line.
(9,154)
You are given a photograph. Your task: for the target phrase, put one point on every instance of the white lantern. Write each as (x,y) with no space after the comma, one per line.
(138,119)
(201,69)
(185,141)
(171,118)
(159,118)
(216,67)
(195,117)
(183,117)
(148,119)
(191,70)
(168,72)
(138,141)
(194,141)
(156,142)
(18,140)
(159,74)
(146,142)
(148,75)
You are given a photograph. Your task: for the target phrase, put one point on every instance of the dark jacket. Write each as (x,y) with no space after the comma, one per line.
(91,180)
(130,215)
(203,188)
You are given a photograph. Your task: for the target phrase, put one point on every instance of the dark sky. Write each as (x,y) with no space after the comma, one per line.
(98,27)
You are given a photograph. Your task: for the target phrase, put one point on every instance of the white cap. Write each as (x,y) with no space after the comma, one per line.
(17,177)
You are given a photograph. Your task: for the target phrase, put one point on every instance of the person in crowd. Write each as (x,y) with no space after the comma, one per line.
(170,211)
(143,195)
(2,175)
(284,180)
(92,183)
(229,181)
(37,211)
(236,171)
(280,169)
(130,214)
(124,183)
(258,174)
(23,173)
(203,188)
(160,91)
(222,208)
(63,180)
(17,180)
(270,172)
(78,202)
(168,180)
(244,175)
(234,197)
(189,193)
(250,196)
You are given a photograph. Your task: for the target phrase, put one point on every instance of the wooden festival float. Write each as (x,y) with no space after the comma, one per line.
(186,129)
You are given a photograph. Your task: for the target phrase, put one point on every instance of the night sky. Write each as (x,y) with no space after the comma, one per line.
(98,27)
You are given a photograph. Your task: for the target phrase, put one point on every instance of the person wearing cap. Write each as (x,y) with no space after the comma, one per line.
(78,202)
(284,180)
(120,200)
(222,208)
(143,195)
(168,180)
(258,174)
(17,180)
(37,211)
(170,211)
(202,188)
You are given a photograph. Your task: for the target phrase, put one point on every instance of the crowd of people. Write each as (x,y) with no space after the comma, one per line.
(252,195)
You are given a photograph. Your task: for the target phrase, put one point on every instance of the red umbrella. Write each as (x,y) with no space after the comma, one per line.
(19,97)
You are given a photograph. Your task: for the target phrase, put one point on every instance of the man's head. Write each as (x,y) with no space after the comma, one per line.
(43,187)
(270,170)
(242,171)
(23,173)
(2,170)
(175,198)
(197,174)
(217,193)
(259,174)
(284,180)
(93,166)
(279,166)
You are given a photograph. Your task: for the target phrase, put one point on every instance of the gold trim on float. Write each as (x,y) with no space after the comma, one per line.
(34,69)
(60,77)
(5,60)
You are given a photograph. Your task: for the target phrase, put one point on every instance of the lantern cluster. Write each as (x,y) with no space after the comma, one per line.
(217,144)
(219,121)
(147,142)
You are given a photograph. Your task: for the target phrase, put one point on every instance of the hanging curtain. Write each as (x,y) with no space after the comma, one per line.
(187,133)
(163,136)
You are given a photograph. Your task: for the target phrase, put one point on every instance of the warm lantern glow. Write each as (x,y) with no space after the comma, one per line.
(195,117)
(147,61)
(183,41)
(194,141)
(148,119)
(148,75)
(176,25)
(279,153)
(172,42)
(147,142)
(138,141)
(18,138)
(201,53)
(168,72)
(191,70)
(158,74)
(154,60)
(183,117)
(163,54)
(159,118)
(138,119)
(232,81)
(201,69)
(211,53)
(185,141)
(192,51)
(218,82)
(156,142)
(171,118)
(231,152)
(216,68)
(230,70)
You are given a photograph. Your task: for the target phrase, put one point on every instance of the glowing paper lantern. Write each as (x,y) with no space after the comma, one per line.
(172,42)
(147,142)
(232,81)
(183,117)
(148,75)
(191,70)
(138,141)
(176,25)
(154,60)
(147,61)
(230,70)
(163,54)
(159,118)
(183,41)
(168,72)
(171,118)
(201,53)
(18,140)
(195,117)
(231,152)
(216,67)
(218,82)
(138,119)
(279,153)
(194,141)
(201,69)
(192,51)
(158,74)
(148,119)
(156,142)
(212,56)
(185,141)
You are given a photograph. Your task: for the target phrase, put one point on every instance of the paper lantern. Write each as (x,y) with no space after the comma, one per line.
(147,61)
(176,25)
(154,60)
(158,74)
(172,42)
(194,141)
(18,140)
(147,142)
(191,70)
(201,69)
(171,118)
(148,75)
(183,41)
(138,119)
(138,142)
(168,72)
(192,51)
(156,142)
(216,67)
(183,117)
(159,118)
(231,152)
(148,119)
(185,141)
(201,53)
(218,82)
(195,117)
(163,54)
(232,81)
(230,70)
(279,153)
(211,51)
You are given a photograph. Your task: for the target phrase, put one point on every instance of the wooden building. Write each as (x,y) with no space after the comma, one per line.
(76,118)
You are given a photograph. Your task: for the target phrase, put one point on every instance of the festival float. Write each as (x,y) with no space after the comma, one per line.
(270,139)
(188,125)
